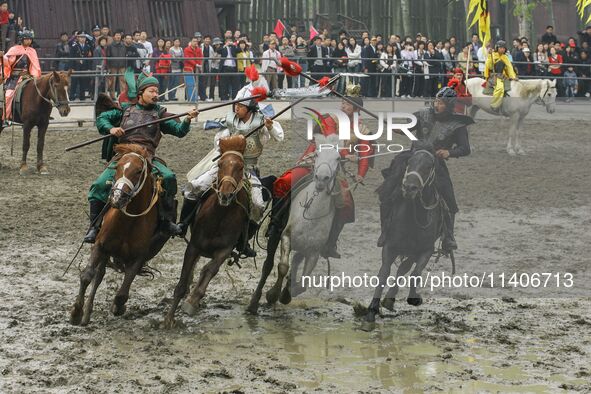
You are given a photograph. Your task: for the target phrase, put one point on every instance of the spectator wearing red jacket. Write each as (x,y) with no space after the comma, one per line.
(193,66)
(3,24)
(162,63)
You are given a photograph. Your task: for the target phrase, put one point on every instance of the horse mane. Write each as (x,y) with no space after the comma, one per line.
(530,89)
(123,149)
(233,143)
(422,145)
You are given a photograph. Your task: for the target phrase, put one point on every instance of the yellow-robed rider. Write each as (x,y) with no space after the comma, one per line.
(499,67)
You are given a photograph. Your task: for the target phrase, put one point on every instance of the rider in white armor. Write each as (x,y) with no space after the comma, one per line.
(244,118)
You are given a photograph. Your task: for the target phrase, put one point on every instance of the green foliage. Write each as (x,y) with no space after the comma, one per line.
(525,8)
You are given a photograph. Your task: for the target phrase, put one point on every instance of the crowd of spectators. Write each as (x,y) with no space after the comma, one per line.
(384,66)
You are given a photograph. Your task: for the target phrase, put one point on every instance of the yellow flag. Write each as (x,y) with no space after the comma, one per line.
(478,12)
(581,7)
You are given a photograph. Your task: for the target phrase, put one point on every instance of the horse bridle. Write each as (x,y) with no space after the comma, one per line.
(430,177)
(228,178)
(329,191)
(53,100)
(135,189)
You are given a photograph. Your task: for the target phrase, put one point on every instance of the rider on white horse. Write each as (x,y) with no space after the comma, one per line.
(244,118)
(497,70)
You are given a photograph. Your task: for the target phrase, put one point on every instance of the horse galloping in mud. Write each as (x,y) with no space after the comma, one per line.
(516,106)
(413,225)
(311,214)
(38,98)
(128,233)
(216,227)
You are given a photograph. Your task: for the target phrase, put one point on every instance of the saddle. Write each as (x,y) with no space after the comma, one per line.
(489,86)
(16,98)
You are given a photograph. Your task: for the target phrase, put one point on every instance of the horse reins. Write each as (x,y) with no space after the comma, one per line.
(228,178)
(135,189)
(54,101)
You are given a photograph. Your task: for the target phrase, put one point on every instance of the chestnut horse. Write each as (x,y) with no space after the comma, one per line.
(128,234)
(216,228)
(37,101)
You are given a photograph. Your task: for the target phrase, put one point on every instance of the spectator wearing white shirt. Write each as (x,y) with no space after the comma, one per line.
(408,56)
(388,66)
(270,64)
(354,55)
(482,54)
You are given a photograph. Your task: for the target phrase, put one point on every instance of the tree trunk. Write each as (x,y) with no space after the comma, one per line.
(405,6)
(522,17)
(550,8)
(449,20)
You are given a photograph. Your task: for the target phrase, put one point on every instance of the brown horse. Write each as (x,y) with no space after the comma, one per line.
(216,228)
(128,234)
(37,101)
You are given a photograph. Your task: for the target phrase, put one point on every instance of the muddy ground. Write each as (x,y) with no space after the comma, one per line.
(523,214)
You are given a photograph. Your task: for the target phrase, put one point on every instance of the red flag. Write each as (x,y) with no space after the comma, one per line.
(279,28)
(313,32)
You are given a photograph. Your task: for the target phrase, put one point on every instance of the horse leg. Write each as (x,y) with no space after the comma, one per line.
(388,257)
(388,301)
(518,147)
(98,278)
(253,307)
(85,278)
(207,273)
(282,269)
(131,271)
(296,285)
(512,135)
(41,167)
(415,298)
(26,145)
(182,287)
(473,110)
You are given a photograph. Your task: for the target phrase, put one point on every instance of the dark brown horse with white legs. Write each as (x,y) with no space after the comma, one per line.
(216,228)
(128,234)
(38,98)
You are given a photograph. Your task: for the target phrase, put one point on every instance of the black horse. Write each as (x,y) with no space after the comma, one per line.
(411,214)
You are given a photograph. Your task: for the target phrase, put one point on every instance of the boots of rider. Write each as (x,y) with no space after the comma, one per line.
(187,214)
(448,243)
(278,207)
(243,243)
(330,249)
(96,207)
(167,211)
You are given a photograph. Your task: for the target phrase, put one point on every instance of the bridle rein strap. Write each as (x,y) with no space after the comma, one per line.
(228,178)
(135,189)
(52,100)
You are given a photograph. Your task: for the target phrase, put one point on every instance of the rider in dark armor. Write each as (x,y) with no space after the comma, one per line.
(448,133)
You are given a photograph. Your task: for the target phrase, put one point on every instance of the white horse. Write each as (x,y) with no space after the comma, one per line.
(523,94)
(310,219)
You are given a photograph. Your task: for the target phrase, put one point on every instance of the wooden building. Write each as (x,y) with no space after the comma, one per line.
(160,18)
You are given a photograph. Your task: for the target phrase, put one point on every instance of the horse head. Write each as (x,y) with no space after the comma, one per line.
(327,162)
(420,170)
(548,95)
(133,169)
(58,91)
(230,169)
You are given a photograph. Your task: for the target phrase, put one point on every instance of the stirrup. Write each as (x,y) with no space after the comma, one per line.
(91,234)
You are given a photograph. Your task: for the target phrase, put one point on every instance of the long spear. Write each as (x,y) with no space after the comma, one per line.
(331,81)
(104,137)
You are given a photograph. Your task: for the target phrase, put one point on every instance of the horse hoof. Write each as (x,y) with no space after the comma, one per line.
(24,169)
(285,296)
(511,152)
(118,310)
(521,152)
(189,308)
(388,303)
(368,326)
(169,323)
(42,170)
(415,301)
(253,308)
(272,296)
(298,289)
(75,316)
